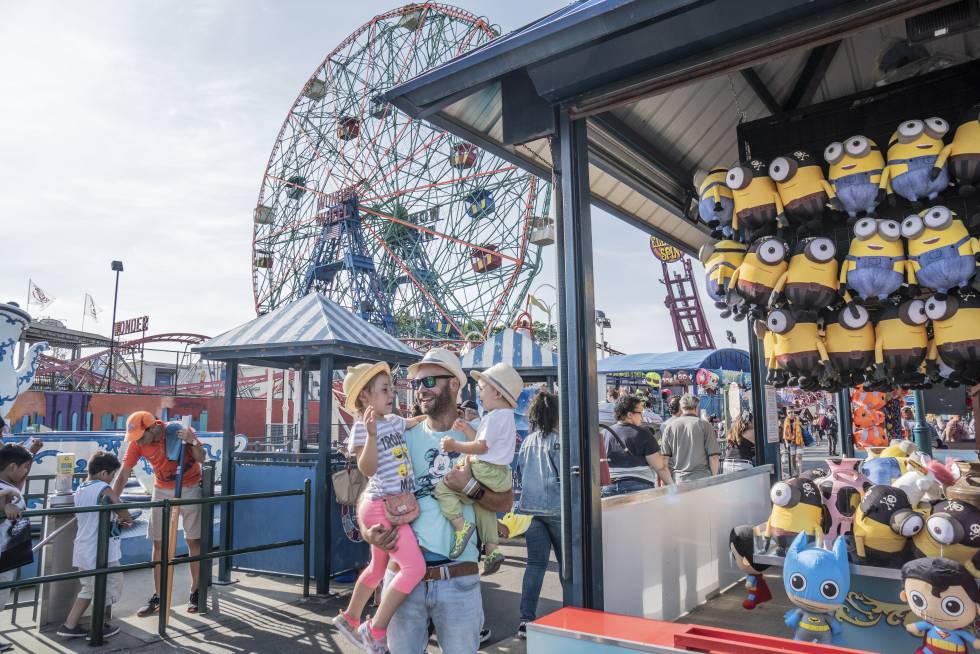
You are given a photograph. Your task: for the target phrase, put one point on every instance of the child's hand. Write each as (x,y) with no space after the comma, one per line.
(460,424)
(371,421)
(12,511)
(36,446)
(448,444)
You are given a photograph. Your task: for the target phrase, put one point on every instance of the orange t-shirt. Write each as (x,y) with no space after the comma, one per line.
(164,470)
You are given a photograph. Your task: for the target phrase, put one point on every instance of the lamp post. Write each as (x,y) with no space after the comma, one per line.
(602,322)
(117,267)
(547,307)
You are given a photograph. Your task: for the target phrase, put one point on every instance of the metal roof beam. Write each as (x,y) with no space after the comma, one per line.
(762,91)
(813,72)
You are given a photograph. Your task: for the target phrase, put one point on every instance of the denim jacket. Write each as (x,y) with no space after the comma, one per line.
(538,463)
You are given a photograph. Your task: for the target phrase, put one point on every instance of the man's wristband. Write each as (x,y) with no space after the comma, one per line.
(473,489)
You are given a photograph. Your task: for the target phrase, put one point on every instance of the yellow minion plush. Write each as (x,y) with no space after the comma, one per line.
(715,202)
(720,262)
(964,152)
(754,280)
(916,167)
(757,203)
(798,347)
(810,281)
(803,189)
(855,174)
(956,334)
(942,254)
(849,338)
(875,264)
(901,341)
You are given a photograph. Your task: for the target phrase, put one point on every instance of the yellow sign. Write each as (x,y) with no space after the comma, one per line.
(663,251)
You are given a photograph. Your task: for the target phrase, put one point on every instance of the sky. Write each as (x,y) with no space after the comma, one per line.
(140,131)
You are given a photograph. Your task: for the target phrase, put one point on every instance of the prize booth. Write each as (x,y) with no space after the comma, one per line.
(842,136)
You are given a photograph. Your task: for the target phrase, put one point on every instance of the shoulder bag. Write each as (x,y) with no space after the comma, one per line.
(401,509)
(348,484)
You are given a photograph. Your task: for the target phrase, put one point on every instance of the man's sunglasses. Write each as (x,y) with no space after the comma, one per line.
(430,381)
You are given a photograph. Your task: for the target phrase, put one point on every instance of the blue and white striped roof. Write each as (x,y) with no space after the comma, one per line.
(516,349)
(309,321)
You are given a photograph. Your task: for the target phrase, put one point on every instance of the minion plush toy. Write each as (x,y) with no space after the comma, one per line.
(797,508)
(875,265)
(964,152)
(956,334)
(775,376)
(741,545)
(953,531)
(757,204)
(942,254)
(850,340)
(715,203)
(720,262)
(855,174)
(916,168)
(901,342)
(817,581)
(803,190)
(945,598)
(883,524)
(810,281)
(754,280)
(799,348)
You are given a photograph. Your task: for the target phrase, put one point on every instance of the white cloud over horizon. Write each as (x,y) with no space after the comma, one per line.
(140,132)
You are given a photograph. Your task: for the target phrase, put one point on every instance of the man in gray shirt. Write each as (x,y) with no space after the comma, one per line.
(691,443)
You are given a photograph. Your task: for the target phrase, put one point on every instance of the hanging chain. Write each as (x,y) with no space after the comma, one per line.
(741,112)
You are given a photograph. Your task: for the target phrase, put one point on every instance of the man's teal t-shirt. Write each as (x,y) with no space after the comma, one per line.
(434,532)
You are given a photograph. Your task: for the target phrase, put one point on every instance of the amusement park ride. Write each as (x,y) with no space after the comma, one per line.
(683,300)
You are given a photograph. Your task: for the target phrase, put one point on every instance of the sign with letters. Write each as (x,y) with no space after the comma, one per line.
(131,326)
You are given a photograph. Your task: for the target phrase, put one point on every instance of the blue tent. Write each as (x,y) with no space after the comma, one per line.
(533,362)
(722,359)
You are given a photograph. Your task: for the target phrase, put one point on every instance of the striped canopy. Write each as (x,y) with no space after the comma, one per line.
(308,327)
(528,358)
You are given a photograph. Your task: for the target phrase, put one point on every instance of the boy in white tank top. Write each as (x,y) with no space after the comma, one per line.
(95,490)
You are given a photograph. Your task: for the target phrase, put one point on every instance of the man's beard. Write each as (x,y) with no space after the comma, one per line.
(442,403)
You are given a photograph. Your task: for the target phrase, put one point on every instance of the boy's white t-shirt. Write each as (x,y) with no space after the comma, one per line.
(89,493)
(499,430)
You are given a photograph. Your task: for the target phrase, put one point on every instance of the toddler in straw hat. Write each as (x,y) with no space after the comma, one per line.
(378,441)
(491,450)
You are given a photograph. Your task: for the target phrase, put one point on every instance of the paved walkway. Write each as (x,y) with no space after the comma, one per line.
(268,614)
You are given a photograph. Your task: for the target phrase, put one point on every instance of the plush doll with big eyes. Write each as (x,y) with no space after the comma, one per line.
(944,596)
(817,581)
(742,546)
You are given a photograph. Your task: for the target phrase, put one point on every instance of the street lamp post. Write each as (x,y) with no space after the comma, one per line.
(602,322)
(117,267)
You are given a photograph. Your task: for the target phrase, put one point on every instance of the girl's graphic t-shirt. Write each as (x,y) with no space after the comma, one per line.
(394,474)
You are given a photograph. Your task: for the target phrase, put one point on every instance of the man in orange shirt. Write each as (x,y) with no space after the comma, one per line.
(146,438)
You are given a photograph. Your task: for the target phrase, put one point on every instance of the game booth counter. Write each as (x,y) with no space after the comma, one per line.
(836,208)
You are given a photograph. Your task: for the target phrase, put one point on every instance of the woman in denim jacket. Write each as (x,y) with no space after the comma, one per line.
(538,464)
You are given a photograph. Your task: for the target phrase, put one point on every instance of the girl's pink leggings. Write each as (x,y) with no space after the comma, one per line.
(407,553)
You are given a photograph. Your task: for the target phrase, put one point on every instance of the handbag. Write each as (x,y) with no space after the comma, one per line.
(348,484)
(17,551)
(401,509)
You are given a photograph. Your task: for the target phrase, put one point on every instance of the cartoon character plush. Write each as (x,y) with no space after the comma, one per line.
(855,173)
(869,433)
(774,375)
(964,153)
(715,203)
(751,286)
(916,168)
(798,347)
(802,188)
(850,341)
(955,335)
(952,531)
(875,265)
(925,479)
(720,262)
(842,490)
(741,545)
(757,204)
(797,508)
(942,254)
(883,524)
(901,342)
(810,281)
(944,595)
(817,581)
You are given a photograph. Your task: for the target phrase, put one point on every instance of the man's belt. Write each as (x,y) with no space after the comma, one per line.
(451,570)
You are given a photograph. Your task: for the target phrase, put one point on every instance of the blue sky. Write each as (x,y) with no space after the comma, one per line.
(140,131)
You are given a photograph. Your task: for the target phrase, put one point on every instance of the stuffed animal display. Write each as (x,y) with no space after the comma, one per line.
(817,582)
(741,545)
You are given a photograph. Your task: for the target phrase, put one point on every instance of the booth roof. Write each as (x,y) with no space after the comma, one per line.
(531,360)
(721,359)
(309,327)
(663,85)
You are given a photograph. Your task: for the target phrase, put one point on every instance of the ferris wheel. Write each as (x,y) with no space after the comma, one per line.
(420,233)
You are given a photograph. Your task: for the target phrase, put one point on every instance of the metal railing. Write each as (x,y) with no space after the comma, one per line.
(102,568)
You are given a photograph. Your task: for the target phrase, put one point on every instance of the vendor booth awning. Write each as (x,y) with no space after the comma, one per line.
(311,326)
(722,359)
(532,361)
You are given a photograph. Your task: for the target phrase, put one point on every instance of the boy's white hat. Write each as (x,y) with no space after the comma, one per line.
(504,378)
(439,356)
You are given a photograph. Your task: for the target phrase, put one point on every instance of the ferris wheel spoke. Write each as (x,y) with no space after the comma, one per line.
(401,264)
(432,185)
(529,208)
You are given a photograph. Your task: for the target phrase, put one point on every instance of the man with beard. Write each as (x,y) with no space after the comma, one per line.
(449,594)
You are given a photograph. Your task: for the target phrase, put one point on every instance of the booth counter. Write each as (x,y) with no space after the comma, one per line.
(665,550)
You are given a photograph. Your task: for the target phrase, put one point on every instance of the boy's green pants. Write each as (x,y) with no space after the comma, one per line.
(497,478)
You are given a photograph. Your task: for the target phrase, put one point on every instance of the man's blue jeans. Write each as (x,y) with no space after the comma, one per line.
(542,536)
(455,607)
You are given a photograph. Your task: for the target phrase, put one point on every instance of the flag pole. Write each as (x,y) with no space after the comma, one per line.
(84,307)
(29,282)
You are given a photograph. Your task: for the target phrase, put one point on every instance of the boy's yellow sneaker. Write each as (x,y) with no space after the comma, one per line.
(461,538)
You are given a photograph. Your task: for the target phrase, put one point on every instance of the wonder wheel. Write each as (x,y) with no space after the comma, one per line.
(418,232)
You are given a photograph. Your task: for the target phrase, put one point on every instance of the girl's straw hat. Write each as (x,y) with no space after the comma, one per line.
(357,378)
